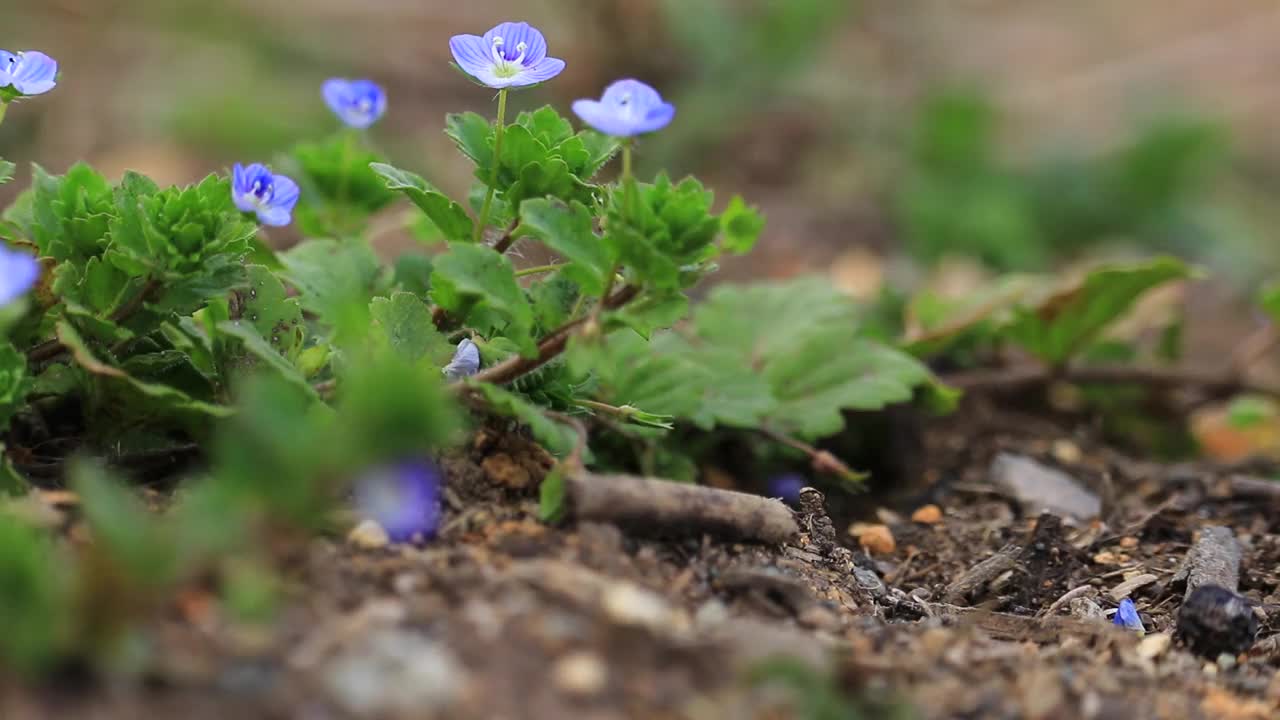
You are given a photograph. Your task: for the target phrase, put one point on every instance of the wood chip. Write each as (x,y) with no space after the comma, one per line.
(1126,588)
(1214,559)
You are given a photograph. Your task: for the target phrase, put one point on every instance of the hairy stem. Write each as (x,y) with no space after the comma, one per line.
(483,220)
(551,346)
(539,269)
(822,461)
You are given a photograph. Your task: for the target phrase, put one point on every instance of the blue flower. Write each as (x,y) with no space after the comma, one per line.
(510,55)
(357,103)
(627,108)
(787,487)
(29,72)
(466,361)
(18,274)
(1127,617)
(403,498)
(271,197)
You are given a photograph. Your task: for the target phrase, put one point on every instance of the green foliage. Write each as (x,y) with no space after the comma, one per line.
(445,214)
(340,187)
(475,282)
(959,196)
(35,598)
(1066,322)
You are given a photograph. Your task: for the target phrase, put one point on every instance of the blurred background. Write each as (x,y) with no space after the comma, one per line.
(884,139)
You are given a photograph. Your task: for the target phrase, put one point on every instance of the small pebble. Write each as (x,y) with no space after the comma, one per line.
(1215,620)
(875,539)
(368,535)
(580,673)
(1153,646)
(927,515)
(629,604)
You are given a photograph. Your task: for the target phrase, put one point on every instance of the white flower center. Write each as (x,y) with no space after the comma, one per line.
(502,67)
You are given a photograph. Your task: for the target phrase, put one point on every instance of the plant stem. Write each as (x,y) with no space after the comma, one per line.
(550,347)
(497,162)
(344,180)
(539,269)
(3,107)
(622,413)
(822,461)
(1014,378)
(628,182)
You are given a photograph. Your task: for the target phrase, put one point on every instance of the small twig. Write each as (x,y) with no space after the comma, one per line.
(984,572)
(1016,378)
(549,348)
(663,506)
(1214,559)
(822,461)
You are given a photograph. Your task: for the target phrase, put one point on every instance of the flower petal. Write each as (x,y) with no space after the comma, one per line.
(541,72)
(274,216)
(337,94)
(514,33)
(286,193)
(472,55)
(35,73)
(657,118)
(603,118)
(18,274)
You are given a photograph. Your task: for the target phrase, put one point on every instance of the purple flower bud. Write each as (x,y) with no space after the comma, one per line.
(466,361)
(29,72)
(271,197)
(357,103)
(787,487)
(403,498)
(510,55)
(627,108)
(18,274)
(1127,617)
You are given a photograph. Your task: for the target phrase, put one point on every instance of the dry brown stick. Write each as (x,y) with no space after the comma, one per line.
(665,507)
(982,573)
(1014,378)
(1244,486)
(1214,559)
(822,461)
(550,347)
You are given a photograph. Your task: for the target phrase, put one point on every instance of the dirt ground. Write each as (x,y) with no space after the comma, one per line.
(986,609)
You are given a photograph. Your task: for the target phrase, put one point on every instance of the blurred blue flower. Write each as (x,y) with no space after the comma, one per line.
(1127,616)
(466,361)
(787,487)
(403,498)
(271,197)
(510,55)
(28,72)
(627,108)
(357,103)
(18,274)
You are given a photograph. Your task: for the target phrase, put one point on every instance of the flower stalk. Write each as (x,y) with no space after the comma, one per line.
(497,162)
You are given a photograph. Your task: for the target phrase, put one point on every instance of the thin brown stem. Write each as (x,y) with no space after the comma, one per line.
(822,461)
(551,346)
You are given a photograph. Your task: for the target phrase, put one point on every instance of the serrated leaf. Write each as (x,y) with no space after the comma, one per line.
(567,230)
(338,185)
(547,125)
(474,137)
(475,277)
(1065,323)
(404,321)
(14,382)
(741,226)
(413,274)
(331,275)
(600,150)
(447,215)
(258,347)
(556,437)
(276,316)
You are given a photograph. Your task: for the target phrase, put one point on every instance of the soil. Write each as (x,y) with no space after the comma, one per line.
(504,617)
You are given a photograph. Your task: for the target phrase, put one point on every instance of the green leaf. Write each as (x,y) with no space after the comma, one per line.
(473,136)
(1069,320)
(14,382)
(567,230)
(404,321)
(276,316)
(600,149)
(125,533)
(447,215)
(556,437)
(552,499)
(413,274)
(741,226)
(36,598)
(546,125)
(264,351)
(1269,298)
(331,276)
(6,171)
(337,182)
(132,397)
(476,278)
